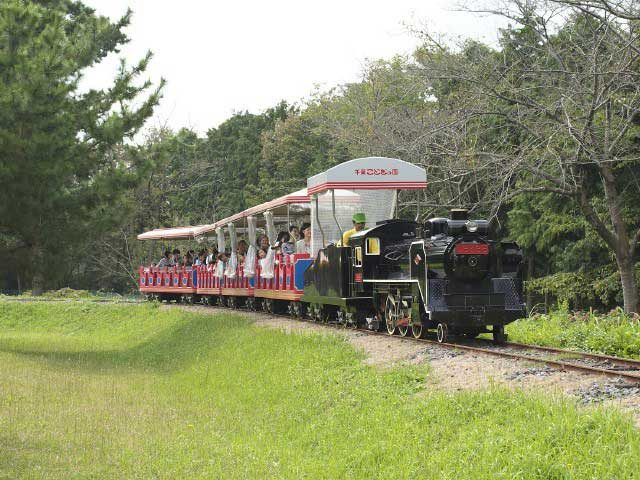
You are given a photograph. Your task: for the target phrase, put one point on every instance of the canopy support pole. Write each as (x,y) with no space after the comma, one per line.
(394,205)
(318,221)
(333,210)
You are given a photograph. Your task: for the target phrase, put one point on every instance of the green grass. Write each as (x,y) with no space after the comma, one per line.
(66,294)
(131,391)
(611,334)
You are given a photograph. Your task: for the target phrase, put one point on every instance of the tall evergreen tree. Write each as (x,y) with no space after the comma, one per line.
(61,177)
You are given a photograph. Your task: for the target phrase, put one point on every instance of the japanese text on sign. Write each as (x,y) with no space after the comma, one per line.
(376,171)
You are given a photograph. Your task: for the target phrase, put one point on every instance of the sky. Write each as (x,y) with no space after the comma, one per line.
(221,57)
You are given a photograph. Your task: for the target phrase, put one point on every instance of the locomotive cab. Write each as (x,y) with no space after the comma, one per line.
(382,252)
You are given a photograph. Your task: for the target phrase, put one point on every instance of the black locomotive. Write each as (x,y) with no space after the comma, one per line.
(446,274)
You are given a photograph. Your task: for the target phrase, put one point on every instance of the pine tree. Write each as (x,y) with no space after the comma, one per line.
(60,169)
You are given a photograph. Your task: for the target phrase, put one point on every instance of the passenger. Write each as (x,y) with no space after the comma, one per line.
(241,250)
(295,233)
(200,260)
(304,244)
(176,257)
(359,221)
(209,256)
(262,253)
(166,260)
(284,244)
(188,259)
(263,243)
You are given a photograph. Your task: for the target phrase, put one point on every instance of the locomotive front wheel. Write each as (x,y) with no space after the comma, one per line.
(416,330)
(442,333)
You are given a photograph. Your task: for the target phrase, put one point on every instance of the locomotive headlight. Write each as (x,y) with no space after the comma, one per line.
(472,226)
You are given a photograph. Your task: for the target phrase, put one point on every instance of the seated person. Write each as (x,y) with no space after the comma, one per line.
(295,233)
(262,253)
(188,260)
(283,243)
(166,260)
(359,221)
(304,244)
(200,259)
(241,250)
(177,260)
(263,242)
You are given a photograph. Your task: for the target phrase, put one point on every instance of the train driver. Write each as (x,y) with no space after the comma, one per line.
(359,220)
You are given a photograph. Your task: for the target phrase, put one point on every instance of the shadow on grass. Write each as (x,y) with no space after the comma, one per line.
(171,349)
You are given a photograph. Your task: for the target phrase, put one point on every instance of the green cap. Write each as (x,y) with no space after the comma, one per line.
(359,218)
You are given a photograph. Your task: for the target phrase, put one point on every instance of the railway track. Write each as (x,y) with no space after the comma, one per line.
(557,358)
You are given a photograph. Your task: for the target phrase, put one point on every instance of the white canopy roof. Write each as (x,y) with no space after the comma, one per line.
(297,197)
(370,173)
(169,233)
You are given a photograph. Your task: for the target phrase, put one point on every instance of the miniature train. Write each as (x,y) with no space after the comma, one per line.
(395,275)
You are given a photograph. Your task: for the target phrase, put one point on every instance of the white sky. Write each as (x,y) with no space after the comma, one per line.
(220,57)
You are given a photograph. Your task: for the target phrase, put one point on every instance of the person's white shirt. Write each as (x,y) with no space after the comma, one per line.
(303,247)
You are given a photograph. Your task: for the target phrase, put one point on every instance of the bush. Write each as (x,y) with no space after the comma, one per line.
(614,333)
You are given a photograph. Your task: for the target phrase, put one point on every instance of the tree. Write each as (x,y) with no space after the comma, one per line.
(566,82)
(61,174)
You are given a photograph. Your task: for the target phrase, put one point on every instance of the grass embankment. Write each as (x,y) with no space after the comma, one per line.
(124,391)
(65,294)
(612,334)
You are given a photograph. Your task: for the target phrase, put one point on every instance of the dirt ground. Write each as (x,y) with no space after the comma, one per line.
(453,370)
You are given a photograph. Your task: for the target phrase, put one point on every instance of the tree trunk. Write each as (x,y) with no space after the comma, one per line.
(626,268)
(618,240)
(37,256)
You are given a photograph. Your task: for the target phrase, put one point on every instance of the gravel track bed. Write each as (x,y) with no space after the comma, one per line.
(458,370)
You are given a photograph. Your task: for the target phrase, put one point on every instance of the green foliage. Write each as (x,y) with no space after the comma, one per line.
(59,146)
(614,333)
(600,286)
(135,391)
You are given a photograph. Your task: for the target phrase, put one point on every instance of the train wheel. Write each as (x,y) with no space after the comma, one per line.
(250,304)
(403,330)
(442,333)
(299,310)
(416,330)
(391,315)
(498,334)
(352,320)
(268,305)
